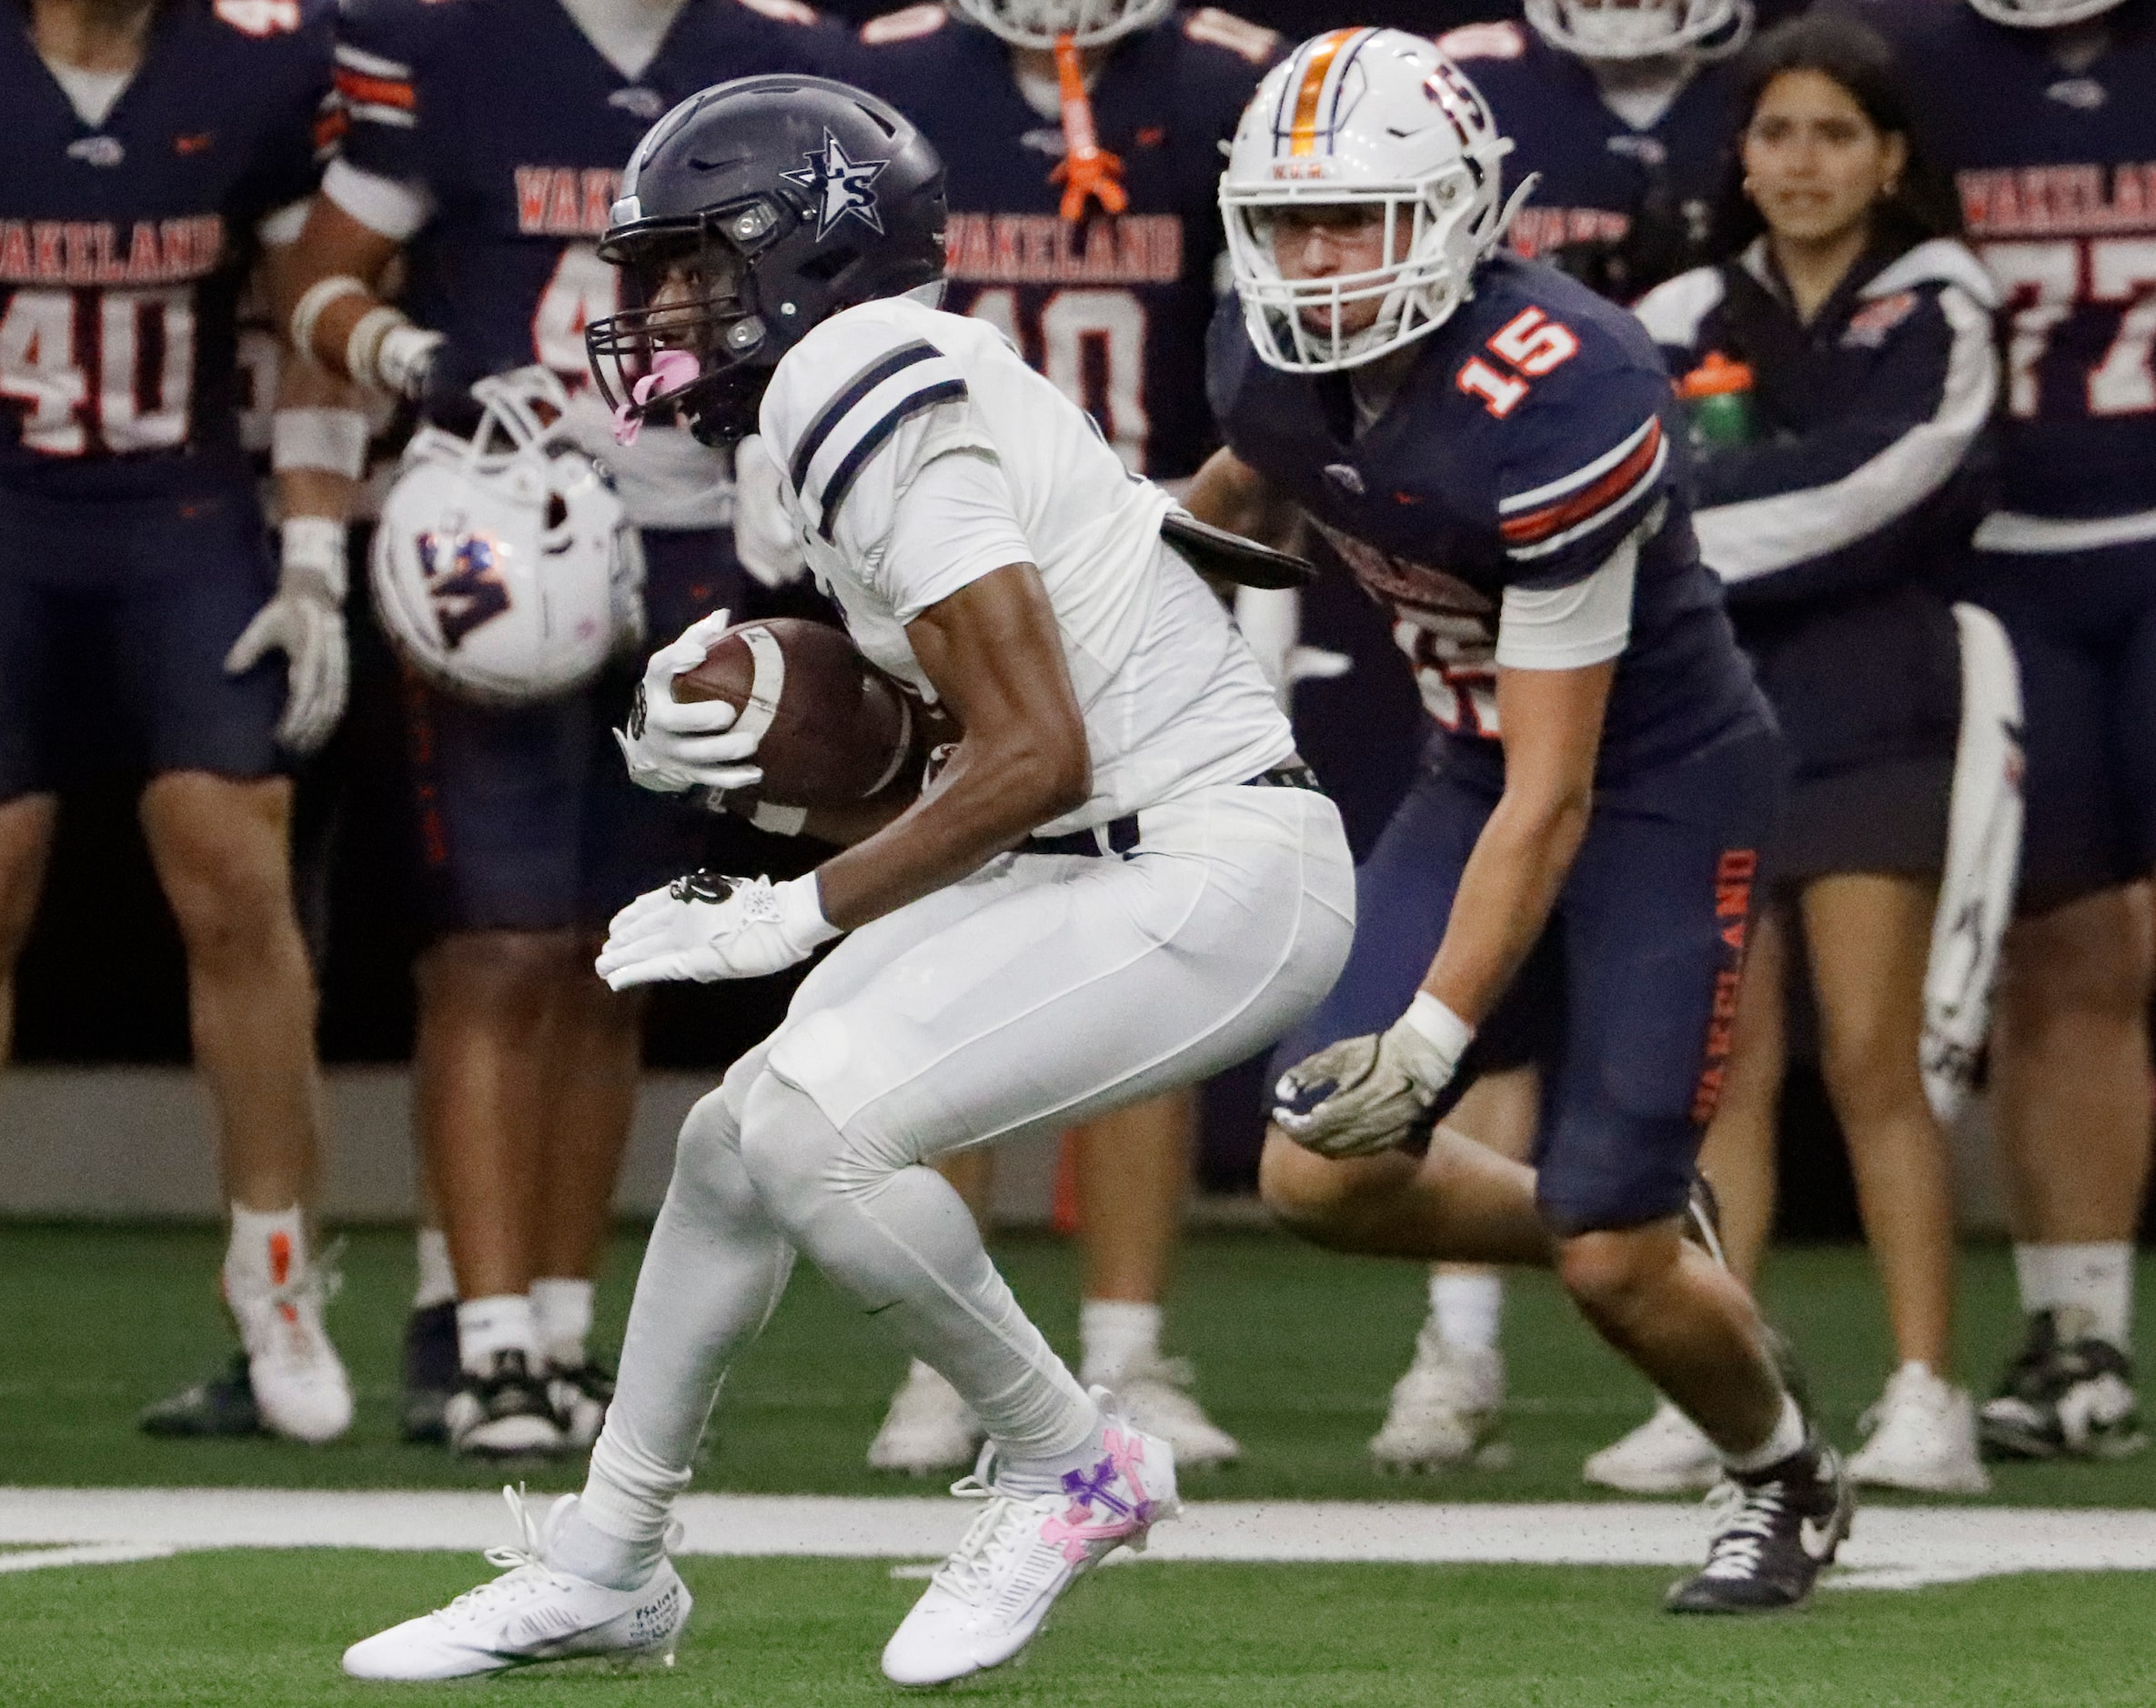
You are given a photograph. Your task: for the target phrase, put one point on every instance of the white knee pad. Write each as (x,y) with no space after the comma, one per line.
(796,1158)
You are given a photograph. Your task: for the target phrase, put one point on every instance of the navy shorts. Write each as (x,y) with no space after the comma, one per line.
(1626,1002)
(527,821)
(115,620)
(2084,625)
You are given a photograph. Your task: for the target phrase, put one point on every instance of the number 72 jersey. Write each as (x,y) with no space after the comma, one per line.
(2057,174)
(123,246)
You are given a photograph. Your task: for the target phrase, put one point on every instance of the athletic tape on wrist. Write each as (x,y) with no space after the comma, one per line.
(307,311)
(333,440)
(365,341)
(402,358)
(1439,1025)
(317,546)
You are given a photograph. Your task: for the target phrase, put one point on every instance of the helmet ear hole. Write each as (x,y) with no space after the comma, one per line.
(557,512)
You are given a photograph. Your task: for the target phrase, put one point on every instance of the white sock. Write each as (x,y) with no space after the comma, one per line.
(1466,1307)
(592,1551)
(2097,1277)
(1114,1334)
(1788,1437)
(561,1306)
(268,1249)
(438,1276)
(499,1323)
(1044,1474)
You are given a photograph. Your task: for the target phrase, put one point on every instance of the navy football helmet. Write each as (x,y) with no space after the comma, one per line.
(751,213)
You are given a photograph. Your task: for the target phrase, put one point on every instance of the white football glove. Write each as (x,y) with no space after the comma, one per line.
(705,927)
(1360,1096)
(674,745)
(764,536)
(305,620)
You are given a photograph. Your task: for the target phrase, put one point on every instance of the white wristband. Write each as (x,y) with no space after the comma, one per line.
(307,311)
(315,545)
(1443,1030)
(777,819)
(403,358)
(800,912)
(366,338)
(332,440)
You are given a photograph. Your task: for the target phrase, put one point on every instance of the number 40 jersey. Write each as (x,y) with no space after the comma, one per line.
(123,244)
(1112,309)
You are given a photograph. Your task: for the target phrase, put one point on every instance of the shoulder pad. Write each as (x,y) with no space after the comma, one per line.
(905,26)
(1212,27)
(1500,40)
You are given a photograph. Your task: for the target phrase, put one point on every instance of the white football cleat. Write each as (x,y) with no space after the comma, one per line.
(1668,1454)
(988,1599)
(529,1615)
(1156,1397)
(1445,1411)
(1922,1436)
(929,1427)
(299,1383)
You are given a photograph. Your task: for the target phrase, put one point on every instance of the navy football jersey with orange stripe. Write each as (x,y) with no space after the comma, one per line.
(1535,431)
(123,244)
(1597,171)
(2057,174)
(515,128)
(1112,309)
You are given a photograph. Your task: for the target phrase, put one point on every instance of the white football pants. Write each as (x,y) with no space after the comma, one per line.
(1040,992)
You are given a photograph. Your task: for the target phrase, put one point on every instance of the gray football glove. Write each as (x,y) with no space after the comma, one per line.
(1360,1096)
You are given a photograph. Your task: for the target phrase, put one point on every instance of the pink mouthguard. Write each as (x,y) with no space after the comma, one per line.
(670,371)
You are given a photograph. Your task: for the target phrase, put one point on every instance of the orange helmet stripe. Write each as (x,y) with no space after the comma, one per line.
(1302,132)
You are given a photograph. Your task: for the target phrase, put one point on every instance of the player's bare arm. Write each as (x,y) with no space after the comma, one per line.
(1229,493)
(327,293)
(993,652)
(1552,721)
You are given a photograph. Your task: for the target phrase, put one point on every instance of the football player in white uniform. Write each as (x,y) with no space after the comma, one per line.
(1121,881)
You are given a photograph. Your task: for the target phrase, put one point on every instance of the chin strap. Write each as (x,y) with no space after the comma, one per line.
(1088,171)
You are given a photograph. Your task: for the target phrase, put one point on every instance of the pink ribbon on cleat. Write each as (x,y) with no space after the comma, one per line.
(670,371)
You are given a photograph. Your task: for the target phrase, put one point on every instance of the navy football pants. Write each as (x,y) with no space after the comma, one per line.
(1626,1002)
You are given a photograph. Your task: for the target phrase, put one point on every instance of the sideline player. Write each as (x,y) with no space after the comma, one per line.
(1621,113)
(1083,227)
(1578,855)
(151,154)
(2042,109)
(485,147)
(1122,880)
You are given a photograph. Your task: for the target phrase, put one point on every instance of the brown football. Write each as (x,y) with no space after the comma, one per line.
(836,729)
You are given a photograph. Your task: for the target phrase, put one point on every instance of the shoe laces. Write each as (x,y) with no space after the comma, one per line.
(1007,1525)
(522,1565)
(1746,1517)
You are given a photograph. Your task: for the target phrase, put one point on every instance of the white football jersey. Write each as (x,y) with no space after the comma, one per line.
(1172,699)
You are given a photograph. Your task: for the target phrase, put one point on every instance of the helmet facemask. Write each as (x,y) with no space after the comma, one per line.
(2041,14)
(1641,29)
(1040,22)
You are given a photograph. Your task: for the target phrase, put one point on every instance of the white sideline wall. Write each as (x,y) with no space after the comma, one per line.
(120,1143)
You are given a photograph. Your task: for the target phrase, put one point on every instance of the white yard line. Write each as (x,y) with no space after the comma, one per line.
(1893,1547)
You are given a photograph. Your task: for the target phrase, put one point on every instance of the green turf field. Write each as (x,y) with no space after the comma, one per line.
(1296,1350)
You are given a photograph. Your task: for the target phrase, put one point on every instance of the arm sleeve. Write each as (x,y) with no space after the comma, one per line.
(1570,627)
(394,207)
(1827,511)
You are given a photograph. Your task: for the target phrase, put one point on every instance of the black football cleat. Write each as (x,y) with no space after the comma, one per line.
(430,1372)
(580,1398)
(502,1412)
(2069,1395)
(1777,1531)
(222,1406)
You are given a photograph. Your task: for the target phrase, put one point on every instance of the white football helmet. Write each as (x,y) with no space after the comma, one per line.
(1378,118)
(504,569)
(1641,29)
(1039,22)
(2041,14)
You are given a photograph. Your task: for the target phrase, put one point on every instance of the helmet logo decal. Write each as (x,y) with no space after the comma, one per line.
(840,186)
(462,582)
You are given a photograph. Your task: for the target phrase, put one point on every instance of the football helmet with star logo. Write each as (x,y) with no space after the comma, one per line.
(753,212)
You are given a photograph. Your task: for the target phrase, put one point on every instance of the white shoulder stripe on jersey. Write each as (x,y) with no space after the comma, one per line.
(372,64)
(375,113)
(2004,530)
(1578,477)
(1648,481)
(1760,535)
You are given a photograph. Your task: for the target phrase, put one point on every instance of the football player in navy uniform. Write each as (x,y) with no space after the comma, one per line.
(2040,107)
(1842,374)
(1623,113)
(152,154)
(485,145)
(1495,451)
(1082,170)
